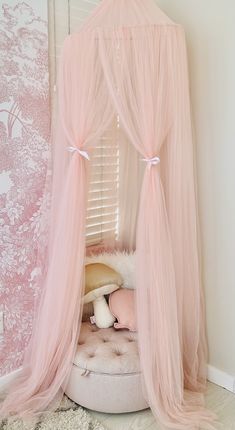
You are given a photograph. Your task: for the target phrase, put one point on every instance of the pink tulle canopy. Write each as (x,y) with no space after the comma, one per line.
(129,59)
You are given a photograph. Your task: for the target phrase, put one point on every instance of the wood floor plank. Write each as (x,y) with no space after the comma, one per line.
(219,400)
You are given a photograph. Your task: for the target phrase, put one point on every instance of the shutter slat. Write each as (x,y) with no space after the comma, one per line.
(106,225)
(104,152)
(104,233)
(99,218)
(98,185)
(95,239)
(103,209)
(105,175)
(101,194)
(97,203)
(106,164)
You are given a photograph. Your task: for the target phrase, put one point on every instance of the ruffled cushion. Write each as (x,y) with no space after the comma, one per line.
(106,373)
(107,350)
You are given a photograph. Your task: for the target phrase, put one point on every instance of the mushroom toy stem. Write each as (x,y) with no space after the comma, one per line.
(100,281)
(103,317)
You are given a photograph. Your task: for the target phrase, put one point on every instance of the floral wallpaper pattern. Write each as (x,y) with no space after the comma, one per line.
(24,146)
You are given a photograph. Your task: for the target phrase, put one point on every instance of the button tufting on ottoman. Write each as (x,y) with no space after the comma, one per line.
(106,373)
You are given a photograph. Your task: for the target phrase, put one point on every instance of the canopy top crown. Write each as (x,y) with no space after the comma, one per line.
(126,13)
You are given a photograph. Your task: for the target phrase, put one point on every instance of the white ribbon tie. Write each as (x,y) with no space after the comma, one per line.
(83,154)
(152,161)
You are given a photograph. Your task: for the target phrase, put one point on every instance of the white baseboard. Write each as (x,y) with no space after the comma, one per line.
(221,378)
(6,379)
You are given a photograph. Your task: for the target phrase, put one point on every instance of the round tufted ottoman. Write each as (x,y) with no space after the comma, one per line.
(106,373)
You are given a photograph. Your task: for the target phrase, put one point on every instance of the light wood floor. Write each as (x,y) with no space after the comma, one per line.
(219,400)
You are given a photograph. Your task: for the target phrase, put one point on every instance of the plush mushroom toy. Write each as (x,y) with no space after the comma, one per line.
(101,280)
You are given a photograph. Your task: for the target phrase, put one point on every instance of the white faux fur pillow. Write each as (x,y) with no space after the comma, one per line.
(122,262)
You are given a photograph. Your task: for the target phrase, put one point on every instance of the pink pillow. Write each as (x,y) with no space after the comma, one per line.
(122,306)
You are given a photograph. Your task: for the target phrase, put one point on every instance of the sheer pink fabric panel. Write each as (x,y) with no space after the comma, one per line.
(50,354)
(179,185)
(139,65)
(139,70)
(131,170)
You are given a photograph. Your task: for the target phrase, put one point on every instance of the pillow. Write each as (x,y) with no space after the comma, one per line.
(122,306)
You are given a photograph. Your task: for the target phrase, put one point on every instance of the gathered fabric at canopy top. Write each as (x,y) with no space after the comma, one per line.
(129,59)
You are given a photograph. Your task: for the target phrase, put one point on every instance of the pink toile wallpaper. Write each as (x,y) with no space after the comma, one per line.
(24,141)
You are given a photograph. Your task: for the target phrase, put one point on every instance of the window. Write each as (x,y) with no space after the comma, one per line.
(102,210)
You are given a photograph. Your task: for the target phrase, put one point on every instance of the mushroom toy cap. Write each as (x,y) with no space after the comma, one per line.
(100,280)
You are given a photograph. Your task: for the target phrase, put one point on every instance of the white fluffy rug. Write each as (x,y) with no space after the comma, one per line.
(68,417)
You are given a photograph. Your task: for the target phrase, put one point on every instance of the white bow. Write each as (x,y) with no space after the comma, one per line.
(152,161)
(83,154)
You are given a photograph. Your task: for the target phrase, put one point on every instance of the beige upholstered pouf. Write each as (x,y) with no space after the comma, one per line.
(106,373)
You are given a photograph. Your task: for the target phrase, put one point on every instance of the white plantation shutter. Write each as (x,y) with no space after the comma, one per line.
(102,218)
(102,211)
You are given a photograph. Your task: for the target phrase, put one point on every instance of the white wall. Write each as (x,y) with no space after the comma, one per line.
(210,34)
